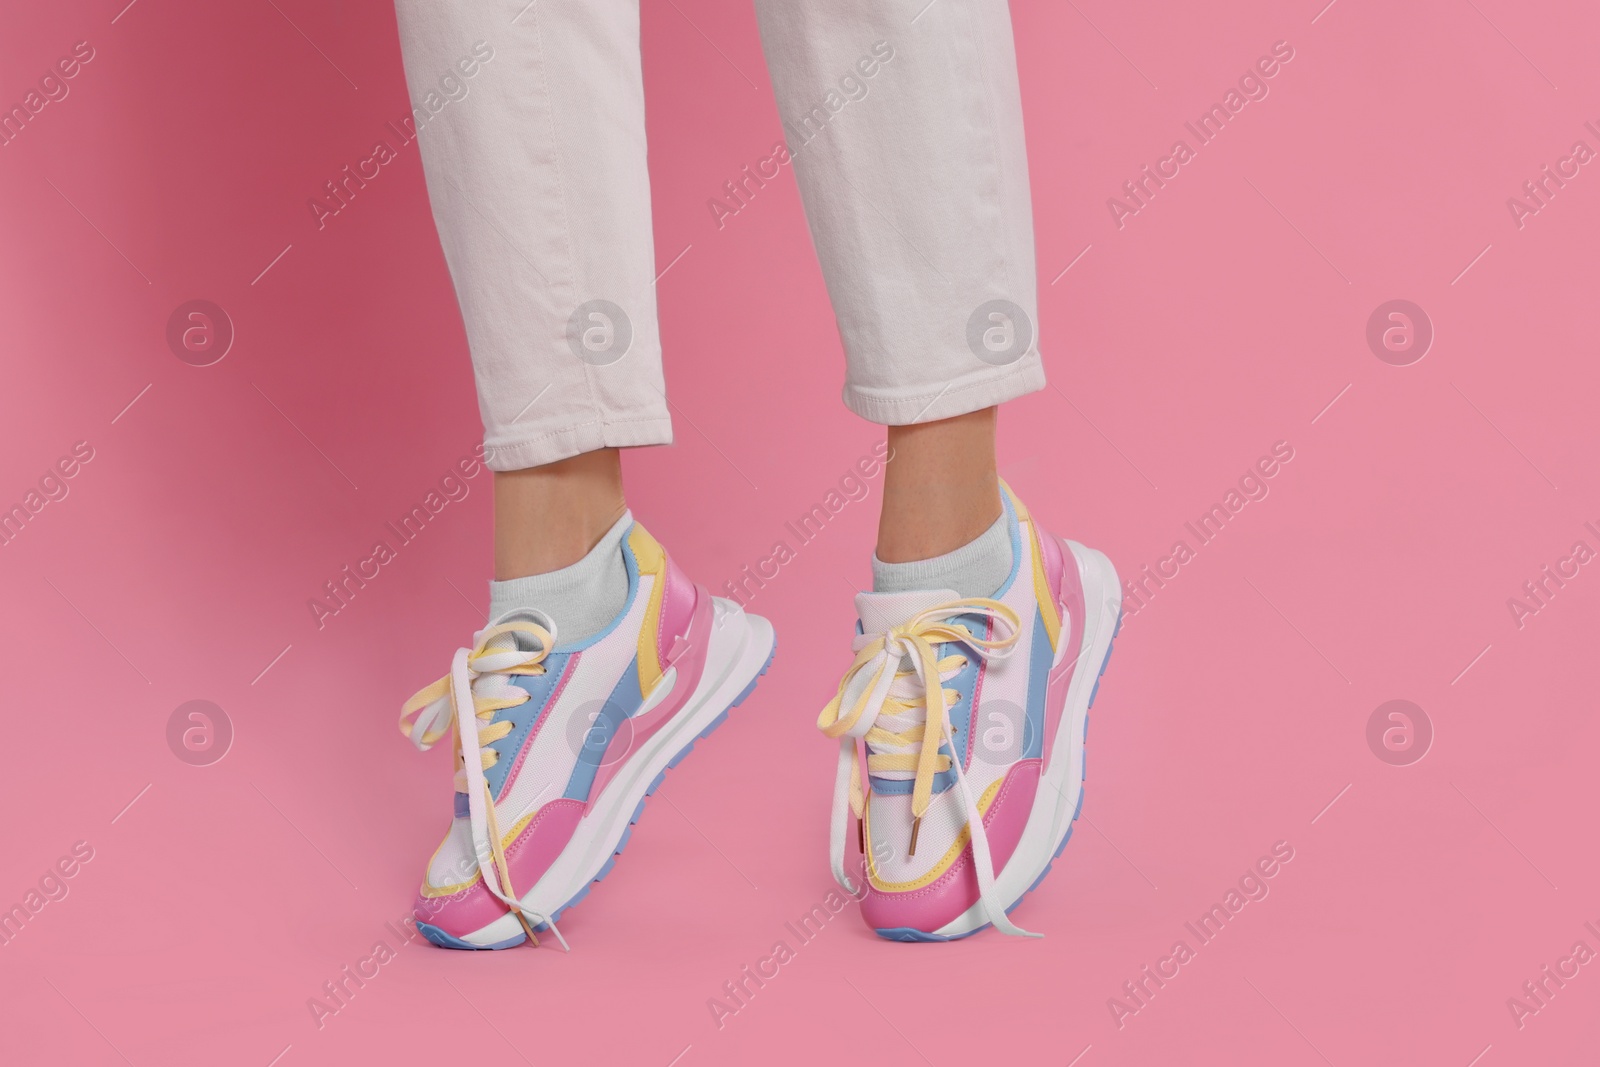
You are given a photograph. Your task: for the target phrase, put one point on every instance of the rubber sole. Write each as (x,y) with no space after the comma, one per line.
(445,940)
(910,934)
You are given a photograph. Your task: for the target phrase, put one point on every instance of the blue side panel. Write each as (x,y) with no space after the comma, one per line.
(444,940)
(892,787)
(606,724)
(524,716)
(1038,686)
(908,933)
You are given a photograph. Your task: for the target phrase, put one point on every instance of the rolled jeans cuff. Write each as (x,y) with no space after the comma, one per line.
(961,396)
(510,454)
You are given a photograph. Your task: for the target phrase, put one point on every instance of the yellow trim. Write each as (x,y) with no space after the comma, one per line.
(516,831)
(1049,611)
(647,551)
(452,890)
(430,892)
(427,891)
(652,560)
(944,861)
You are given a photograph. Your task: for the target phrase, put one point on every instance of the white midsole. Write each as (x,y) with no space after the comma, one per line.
(1061,784)
(740,645)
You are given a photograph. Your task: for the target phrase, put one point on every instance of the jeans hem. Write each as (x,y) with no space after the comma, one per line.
(956,398)
(555,445)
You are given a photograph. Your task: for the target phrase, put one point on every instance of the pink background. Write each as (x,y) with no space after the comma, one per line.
(1224,317)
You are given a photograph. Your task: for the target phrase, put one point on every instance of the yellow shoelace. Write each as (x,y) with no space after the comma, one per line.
(881,654)
(465,700)
(870,678)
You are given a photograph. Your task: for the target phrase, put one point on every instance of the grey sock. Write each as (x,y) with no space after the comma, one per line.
(977,568)
(582,598)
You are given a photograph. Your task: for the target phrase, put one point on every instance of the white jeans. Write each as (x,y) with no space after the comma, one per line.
(904,131)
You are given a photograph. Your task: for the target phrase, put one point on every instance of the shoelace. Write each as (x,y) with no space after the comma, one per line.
(878,657)
(466,699)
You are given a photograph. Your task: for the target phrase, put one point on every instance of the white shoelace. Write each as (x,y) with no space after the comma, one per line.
(878,656)
(478,685)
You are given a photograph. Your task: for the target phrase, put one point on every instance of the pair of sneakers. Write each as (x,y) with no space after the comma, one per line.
(961,726)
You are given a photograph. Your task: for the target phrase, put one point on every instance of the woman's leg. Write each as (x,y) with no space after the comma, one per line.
(532,136)
(905,128)
(548,517)
(905,131)
(531,125)
(558,534)
(941,490)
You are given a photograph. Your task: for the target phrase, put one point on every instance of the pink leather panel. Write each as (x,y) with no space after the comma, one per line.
(956,890)
(677,609)
(1070,600)
(528,857)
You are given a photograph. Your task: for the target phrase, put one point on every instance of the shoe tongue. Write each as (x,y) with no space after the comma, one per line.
(880,611)
(517,639)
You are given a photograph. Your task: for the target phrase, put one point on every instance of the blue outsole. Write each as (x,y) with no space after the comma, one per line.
(907,933)
(444,940)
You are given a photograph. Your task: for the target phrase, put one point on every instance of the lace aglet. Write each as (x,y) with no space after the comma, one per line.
(557,931)
(916,827)
(527,927)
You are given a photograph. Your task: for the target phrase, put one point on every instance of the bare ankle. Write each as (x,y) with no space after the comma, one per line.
(941,489)
(548,517)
